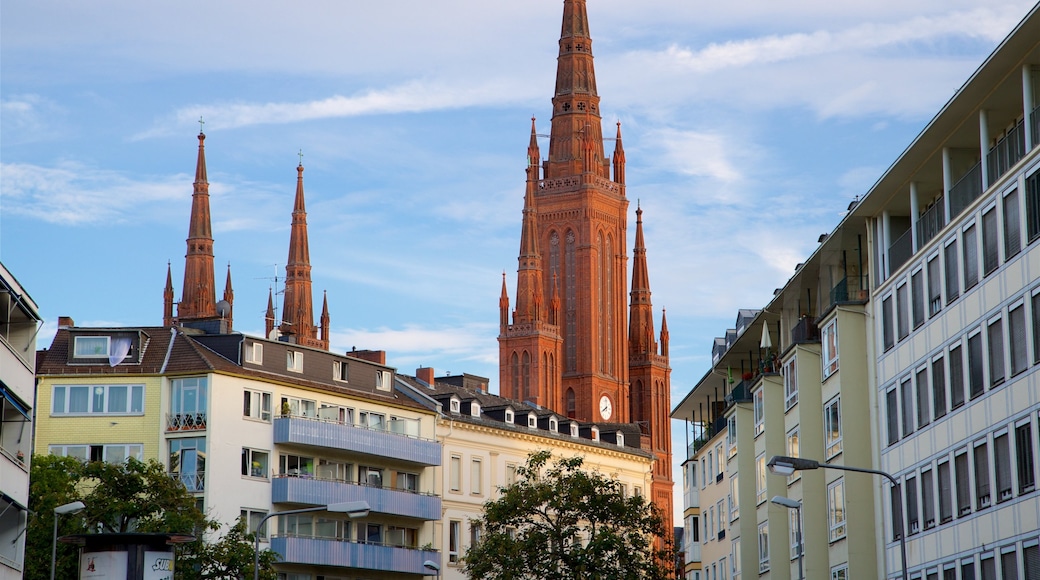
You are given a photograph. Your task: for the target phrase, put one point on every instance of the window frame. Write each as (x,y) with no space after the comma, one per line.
(829,348)
(832,444)
(250,457)
(135,398)
(837,517)
(254,401)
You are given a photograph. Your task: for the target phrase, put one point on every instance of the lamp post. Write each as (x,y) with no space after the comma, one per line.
(431,565)
(353,509)
(797,507)
(69,508)
(782,465)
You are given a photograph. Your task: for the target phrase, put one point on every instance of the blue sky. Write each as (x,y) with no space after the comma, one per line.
(748,127)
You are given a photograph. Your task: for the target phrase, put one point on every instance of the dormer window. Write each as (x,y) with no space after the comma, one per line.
(455,406)
(532,421)
(553,426)
(340,371)
(115,349)
(294,361)
(574,429)
(255,353)
(383,380)
(474,409)
(595,433)
(509,416)
(91,346)
(620,439)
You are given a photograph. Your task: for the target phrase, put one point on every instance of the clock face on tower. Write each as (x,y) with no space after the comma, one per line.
(606,408)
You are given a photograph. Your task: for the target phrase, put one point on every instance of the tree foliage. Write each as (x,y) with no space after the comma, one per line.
(128,497)
(559,520)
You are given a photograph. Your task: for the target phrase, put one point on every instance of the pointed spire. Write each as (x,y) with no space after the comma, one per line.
(534,157)
(577,137)
(664,333)
(641,315)
(529,291)
(503,306)
(269,317)
(325,320)
(198,298)
(229,297)
(168,298)
(554,302)
(297,309)
(619,157)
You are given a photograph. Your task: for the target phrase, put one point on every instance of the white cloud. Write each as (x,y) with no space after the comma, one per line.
(424,345)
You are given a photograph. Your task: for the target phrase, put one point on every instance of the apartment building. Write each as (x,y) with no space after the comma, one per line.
(909,343)
(253,426)
(485,437)
(19,322)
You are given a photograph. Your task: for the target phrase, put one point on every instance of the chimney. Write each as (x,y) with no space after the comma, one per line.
(376,356)
(425,374)
(66,322)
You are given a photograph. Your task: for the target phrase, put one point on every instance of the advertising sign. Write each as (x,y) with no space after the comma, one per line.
(158,566)
(102,565)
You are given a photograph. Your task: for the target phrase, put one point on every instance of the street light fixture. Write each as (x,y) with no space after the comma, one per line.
(69,508)
(431,565)
(797,507)
(783,465)
(353,509)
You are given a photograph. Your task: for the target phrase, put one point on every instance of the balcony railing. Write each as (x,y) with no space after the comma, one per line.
(1035,116)
(900,251)
(849,289)
(186,421)
(1006,153)
(931,222)
(193,482)
(343,554)
(966,190)
(334,435)
(805,331)
(382,500)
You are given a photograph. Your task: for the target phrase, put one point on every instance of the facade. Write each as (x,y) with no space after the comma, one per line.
(19,322)
(485,437)
(906,343)
(568,345)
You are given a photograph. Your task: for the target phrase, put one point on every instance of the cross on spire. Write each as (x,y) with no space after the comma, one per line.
(201,123)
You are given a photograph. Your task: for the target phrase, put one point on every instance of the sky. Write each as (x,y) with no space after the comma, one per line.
(748,126)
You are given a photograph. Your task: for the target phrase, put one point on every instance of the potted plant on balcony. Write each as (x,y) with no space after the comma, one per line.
(286,411)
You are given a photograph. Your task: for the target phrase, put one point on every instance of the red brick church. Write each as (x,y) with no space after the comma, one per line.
(568,345)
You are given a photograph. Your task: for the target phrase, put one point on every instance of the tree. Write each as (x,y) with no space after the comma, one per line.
(561,521)
(125,497)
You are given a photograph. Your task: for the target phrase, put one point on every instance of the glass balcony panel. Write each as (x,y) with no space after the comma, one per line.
(382,500)
(330,435)
(376,557)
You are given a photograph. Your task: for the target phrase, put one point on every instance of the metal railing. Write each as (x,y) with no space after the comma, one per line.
(931,222)
(967,189)
(194,482)
(186,421)
(1008,150)
(805,331)
(900,251)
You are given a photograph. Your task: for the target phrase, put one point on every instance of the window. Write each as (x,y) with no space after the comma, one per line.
(989,567)
(255,353)
(188,462)
(337,413)
(763,547)
(383,380)
(975,377)
(1036,326)
(990,242)
(956,377)
(720,509)
(832,427)
(953,286)
(971,257)
(1008,563)
(299,407)
(995,340)
(938,387)
(1031,557)
(731,435)
(455,475)
(254,462)
(892,411)
(188,404)
(509,416)
(252,519)
(1024,457)
(896,507)
(734,490)
(759,407)
(294,361)
(98,400)
(792,451)
(455,406)
(934,286)
(340,371)
(790,383)
(760,478)
(399,537)
(1012,225)
(982,493)
(111,453)
(793,526)
(1033,206)
(1017,336)
(960,467)
(335,470)
(295,465)
(829,338)
(511,473)
(968,569)
(840,572)
(921,380)
(945,493)
(256,405)
(902,312)
(373,421)
(370,476)
(1002,466)
(836,509)
(917,288)
(912,518)
(90,346)
(928,498)
(476,477)
(887,328)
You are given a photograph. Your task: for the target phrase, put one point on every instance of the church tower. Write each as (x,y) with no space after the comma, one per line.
(568,346)
(298,309)
(198,303)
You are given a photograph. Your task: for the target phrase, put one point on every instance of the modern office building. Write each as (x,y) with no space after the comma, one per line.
(908,342)
(19,323)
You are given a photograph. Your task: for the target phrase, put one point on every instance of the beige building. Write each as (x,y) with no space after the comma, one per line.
(908,342)
(19,323)
(485,437)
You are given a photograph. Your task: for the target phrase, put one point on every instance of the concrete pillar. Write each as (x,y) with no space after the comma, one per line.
(947,183)
(1027,103)
(886,241)
(984,147)
(915,216)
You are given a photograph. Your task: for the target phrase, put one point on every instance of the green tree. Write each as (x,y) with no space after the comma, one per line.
(133,496)
(561,521)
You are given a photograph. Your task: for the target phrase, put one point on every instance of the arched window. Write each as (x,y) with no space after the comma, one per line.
(601,352)
(608,292)
(572,405)
(637,401)
(516,375)
(570,301)
(527,394)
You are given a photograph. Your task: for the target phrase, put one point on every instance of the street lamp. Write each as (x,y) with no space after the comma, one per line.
(431,565)
(782,465)
(353,509)
(69,508)
(797,507)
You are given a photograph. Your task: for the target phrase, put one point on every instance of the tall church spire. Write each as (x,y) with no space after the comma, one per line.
(530,295)
(168,298)
(229,296)
(298,308)
(198,299)
(576,130)
(269,317)
(641,314)
(619,158)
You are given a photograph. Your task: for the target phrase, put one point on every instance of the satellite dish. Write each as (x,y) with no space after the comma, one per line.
(223,308)
(275,333)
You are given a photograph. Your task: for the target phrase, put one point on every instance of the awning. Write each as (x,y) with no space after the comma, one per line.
(12,502)
(14,401)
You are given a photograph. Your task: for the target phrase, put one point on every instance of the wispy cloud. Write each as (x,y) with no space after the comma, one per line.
(26,118)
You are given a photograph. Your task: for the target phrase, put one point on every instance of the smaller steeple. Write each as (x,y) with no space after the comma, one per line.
(641,315)
(664,333)
(619,158)
(229,297)
(534,157)
(325,320)
(554,302)
(269,318)
(503,306)
(529,290)
(168,298)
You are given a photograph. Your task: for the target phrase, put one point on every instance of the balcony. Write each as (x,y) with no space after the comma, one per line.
(849,290)
(324,552)
(1006,153)
(186,422)
(900,251)
(383,500)
(334,435)
(931,222)
(966,190)
(194,482)
(805,331)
